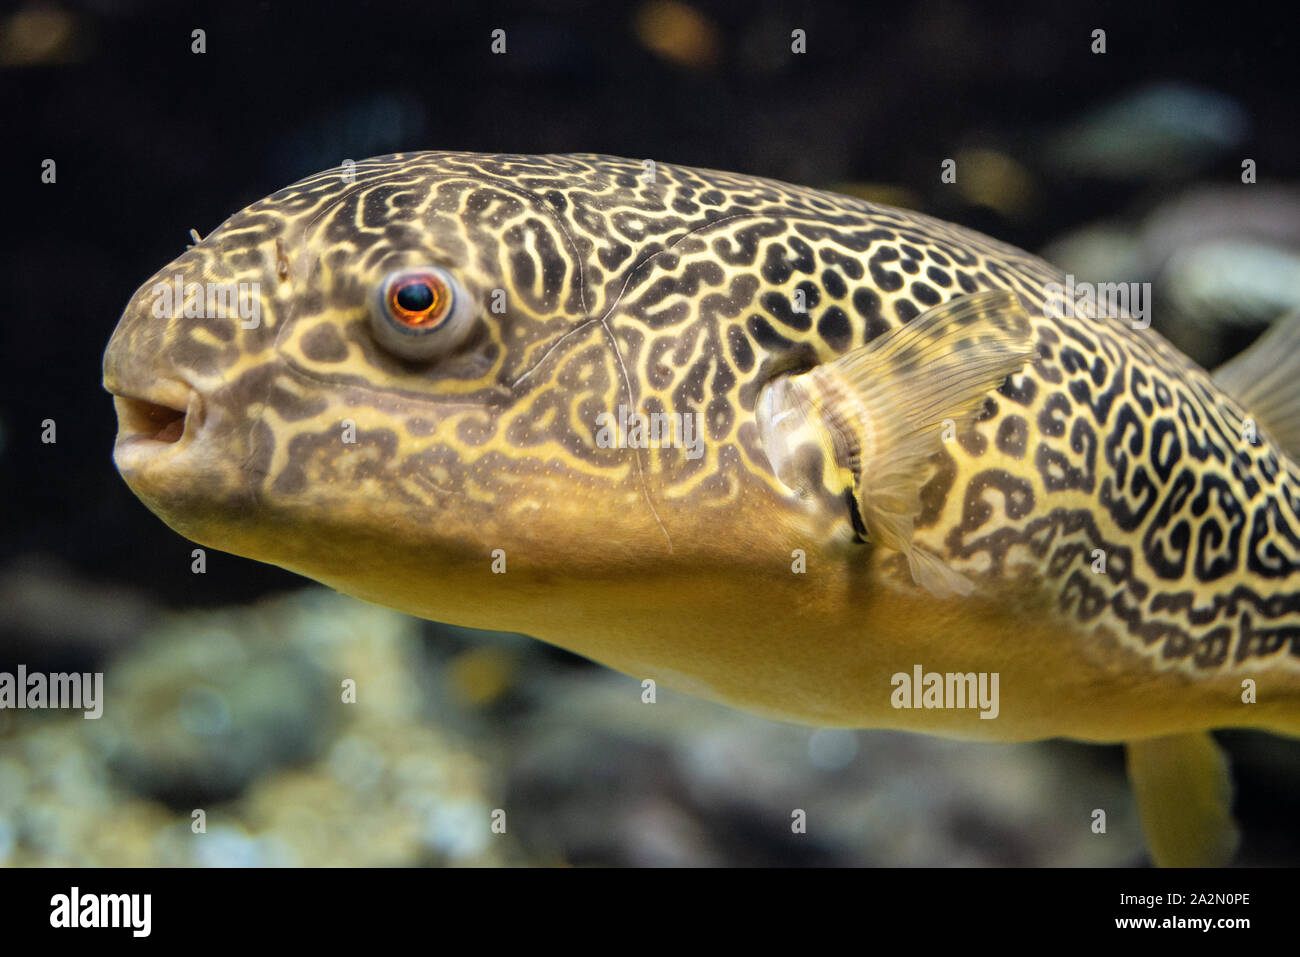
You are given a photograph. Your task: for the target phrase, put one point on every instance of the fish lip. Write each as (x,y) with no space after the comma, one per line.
(155,423)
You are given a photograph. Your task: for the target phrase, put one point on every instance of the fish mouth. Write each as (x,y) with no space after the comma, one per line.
(152,424)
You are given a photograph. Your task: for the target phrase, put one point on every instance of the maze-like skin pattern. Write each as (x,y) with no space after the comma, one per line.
(668,289)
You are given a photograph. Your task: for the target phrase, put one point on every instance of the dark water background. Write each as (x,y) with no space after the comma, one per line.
(152,140)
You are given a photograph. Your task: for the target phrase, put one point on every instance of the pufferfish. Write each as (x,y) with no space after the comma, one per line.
(821,459)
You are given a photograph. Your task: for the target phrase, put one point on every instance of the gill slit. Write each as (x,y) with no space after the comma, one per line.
(642,454)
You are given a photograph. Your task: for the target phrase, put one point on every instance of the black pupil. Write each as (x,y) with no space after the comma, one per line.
(415,297)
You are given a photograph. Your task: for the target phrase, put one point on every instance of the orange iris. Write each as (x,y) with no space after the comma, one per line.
(419,302)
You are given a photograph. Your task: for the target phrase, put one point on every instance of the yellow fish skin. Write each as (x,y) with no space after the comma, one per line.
(773,446)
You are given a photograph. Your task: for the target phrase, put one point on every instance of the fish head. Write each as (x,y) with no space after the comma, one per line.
(400,375)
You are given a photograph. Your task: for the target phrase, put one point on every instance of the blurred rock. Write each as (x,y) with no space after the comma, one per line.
(34,594)
(1233,281)
(41,34)
(678,33)
(1153,132)
(1223,262)
(689,783)
(240,714)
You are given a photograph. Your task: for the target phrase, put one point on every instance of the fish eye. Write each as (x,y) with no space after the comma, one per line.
(419,312)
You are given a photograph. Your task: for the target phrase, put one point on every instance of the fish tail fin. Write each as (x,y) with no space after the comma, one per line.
(1184,794)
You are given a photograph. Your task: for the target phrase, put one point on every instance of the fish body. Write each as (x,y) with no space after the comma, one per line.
(769,445)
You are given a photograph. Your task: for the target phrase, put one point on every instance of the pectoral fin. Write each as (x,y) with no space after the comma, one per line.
(869,422)
(1184,795)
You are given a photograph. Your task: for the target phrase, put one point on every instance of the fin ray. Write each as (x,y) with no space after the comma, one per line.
(875,415)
